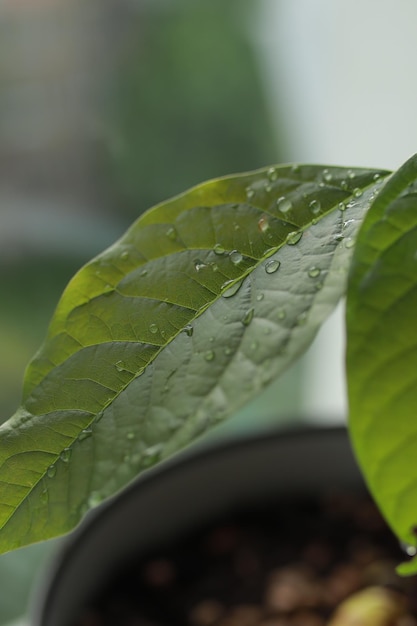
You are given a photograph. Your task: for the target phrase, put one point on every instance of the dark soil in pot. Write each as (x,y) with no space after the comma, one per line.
(291,564)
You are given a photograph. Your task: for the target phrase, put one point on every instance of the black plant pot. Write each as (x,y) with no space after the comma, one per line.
(178,496)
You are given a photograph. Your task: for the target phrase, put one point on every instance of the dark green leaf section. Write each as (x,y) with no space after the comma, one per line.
(203,302)
(382,352)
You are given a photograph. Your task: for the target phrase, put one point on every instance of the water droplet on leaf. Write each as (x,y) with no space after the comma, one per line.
(130,436)
(263,224)
(94,499)
(248,317)
(284,205)
(199,265)
(235,257)
(250,193)
(294,237)
(153,328)
(281,314)
(302,318)
(124,256)
(272,174)
(314,206)
(351,174)
(218,249)
(51,471)
(120,366)
(188,330)
(343,184)
(260,297)
(209,355)
(230,288)
(272,266)
(85,434)
(327,176)
(171,233)
(408,548)
(65,455)
(341,206)
(357,192)
(313,272)
(349,242)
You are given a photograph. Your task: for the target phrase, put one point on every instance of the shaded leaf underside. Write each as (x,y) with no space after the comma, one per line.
(203,302)
(382,352)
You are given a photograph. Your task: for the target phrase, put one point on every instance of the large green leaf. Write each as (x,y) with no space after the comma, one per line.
(204,301)
(382,352)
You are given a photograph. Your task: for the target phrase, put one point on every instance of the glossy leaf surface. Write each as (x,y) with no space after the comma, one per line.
(382,353)
(204,301)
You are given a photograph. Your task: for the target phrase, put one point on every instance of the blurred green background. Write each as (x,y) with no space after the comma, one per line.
(106,108)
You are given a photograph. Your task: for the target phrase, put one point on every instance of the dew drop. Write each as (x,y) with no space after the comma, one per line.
(51,471)
(377,177)
(408,548)
(218,249)
(295,168)
(94,499)
(130,436)
(338,237)
(357,192)
(214,267)
(294,237)
(268,188)
(188,330)
(260,297)
(65,455)
(327,176)
(314,206)
(171,233)
(302,318)
(272,266)
(341,206)
(199,265)
(120,366)
(209,355)
(235,257)
(153,328)
(152,455)
(272,174)
(144,272)
(314,272)
(319,285)
(351,174)
(343,184)
(349,242)
(284,205)
(263,224)
(228,351)
(281,314)
(44,497)
(250,193)
(124,256)
(248,317)
(230,288)
(85,434)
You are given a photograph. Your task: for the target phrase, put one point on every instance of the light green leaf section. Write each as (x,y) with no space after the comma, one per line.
(203,302)
(382,353)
